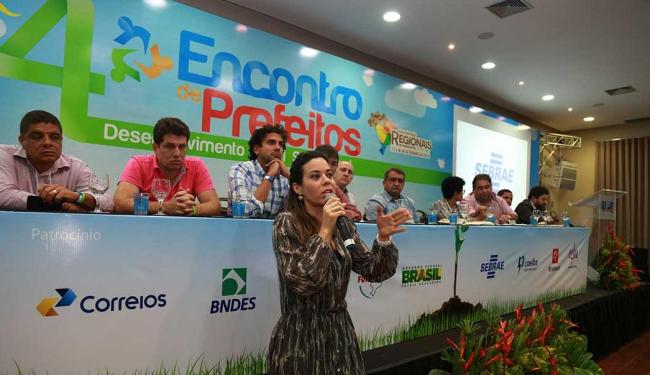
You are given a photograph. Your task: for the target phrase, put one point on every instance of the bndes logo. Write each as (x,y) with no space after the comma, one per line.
(233,283)
(92,304)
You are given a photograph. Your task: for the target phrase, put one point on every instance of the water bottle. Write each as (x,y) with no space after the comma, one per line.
(533,220)
(453,218)
(566,220)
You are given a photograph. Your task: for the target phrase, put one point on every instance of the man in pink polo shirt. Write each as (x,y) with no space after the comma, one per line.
(483,197)
(189,177)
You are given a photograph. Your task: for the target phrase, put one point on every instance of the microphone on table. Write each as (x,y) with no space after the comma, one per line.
(344,231)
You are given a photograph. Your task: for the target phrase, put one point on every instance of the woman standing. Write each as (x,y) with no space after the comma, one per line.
(315,335)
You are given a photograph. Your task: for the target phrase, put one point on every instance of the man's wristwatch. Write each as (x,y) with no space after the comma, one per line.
(269,178)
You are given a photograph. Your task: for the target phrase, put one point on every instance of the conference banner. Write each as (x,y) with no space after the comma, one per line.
(111,69)
(129,294)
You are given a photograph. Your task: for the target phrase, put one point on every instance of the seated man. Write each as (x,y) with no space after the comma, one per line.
(263,181)
(391,198)
(452,193)
(506,195)
(483,197)
(537,199)
(343,178)
(351,210)
(39,169)
(189,177)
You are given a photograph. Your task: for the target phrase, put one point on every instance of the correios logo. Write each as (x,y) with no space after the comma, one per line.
(233,283)
(555,260)
(421,275)
(90,304)
(492,266)
(368,289)
(47,305)
(526,264)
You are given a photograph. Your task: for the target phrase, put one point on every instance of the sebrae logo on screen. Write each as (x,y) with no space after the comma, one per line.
(492,266)
(233,285)
(429,274)
(400,141)
(368,289)
(91,304)
(501,175)
(555,260)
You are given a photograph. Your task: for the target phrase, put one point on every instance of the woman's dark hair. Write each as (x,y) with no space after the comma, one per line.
(451,185)
(305,224)
(260,134)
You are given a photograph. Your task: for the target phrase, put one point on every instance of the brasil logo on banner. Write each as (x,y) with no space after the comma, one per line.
(120,66)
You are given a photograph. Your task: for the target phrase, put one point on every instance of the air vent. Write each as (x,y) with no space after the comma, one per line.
(621,90)
(508,8)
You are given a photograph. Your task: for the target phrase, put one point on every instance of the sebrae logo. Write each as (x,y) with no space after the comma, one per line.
(90,304)
(526,264)
(47,305)
(555,260)
(368,289)
(421,275)
(233,284)
(492,266)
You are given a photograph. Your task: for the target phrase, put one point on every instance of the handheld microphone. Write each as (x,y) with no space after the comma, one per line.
(342,227)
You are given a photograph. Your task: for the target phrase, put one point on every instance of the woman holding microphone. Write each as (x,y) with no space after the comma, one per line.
(315,334)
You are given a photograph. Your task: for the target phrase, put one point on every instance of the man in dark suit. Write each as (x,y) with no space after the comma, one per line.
(537,199)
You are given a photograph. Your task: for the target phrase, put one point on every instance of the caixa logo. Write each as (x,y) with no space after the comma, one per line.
(91,304)
(233,284)
(492,266)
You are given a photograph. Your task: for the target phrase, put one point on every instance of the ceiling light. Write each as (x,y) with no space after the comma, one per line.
(488,65)
(451,46)
(392,16)
(156,3)
(308,52)
(241,28)
(501,118)
(445,98)
(474,109)
(408,86)
(589,119)
(616,139)
(570,109)
(548,97)
(523,127)
(521,83)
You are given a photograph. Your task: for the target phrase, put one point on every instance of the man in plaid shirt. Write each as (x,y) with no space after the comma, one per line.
(263,181)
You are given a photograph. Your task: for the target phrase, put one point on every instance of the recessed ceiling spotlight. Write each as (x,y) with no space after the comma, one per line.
(369,72)
(570,109)
(589,119)
(241,28)
(523,127)
(521,83)
(156,3)
(408,86)
(445,98)
(308,52)
(548,97)
(501,118)
(451,46)
(474,109)
(488,65)
(391,16)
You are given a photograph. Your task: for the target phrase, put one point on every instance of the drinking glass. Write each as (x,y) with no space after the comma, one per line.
(160,188)
(463,210)
(566,221)
(98,184)
(537,214)
(547,217)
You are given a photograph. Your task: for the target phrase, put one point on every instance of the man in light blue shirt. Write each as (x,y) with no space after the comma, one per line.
(262,182)
(391,198)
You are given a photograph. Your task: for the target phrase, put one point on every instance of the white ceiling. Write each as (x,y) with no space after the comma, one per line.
(573,49)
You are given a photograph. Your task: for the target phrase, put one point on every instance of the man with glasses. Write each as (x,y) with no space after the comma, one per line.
(391,198)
